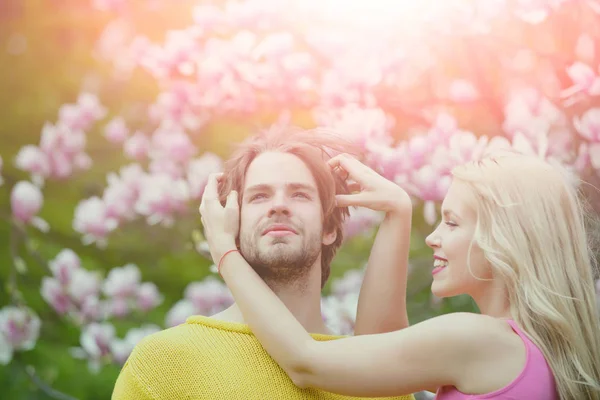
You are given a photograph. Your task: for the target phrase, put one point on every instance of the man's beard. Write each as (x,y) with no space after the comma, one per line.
(281,263)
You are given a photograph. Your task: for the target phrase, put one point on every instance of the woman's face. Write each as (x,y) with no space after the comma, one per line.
(450,242)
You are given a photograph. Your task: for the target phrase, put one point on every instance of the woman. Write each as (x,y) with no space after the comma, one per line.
(512,237)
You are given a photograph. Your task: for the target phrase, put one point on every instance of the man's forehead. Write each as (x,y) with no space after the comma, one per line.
(278,169)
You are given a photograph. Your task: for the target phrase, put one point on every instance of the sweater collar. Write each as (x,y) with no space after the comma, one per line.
(240,327)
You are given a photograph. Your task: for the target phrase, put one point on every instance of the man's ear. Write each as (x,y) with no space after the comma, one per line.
(329,238)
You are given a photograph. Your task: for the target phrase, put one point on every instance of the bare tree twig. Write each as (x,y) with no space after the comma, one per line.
(44,387)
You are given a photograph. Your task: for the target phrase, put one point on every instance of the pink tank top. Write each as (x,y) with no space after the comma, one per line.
(535,382)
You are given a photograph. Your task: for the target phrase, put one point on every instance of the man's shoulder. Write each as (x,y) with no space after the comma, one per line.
(157,361)
(174,341)
(169,351)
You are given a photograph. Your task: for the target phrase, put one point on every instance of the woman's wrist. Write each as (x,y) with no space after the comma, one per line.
(223,257)
(228,259)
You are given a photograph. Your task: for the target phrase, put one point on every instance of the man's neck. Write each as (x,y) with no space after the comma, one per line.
(303,301)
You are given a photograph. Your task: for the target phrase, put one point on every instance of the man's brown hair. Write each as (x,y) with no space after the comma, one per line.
(314,147)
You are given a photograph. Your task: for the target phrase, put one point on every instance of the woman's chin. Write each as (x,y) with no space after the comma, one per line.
(438,289)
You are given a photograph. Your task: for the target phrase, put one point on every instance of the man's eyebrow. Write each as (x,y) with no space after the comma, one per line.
(302,186)
(292,186)
(257,188)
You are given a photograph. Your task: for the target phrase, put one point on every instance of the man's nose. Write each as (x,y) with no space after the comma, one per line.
(279,206)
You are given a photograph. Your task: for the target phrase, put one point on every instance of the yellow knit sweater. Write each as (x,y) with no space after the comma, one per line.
(209,359)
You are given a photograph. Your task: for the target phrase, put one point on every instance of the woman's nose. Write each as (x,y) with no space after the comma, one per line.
(433,240)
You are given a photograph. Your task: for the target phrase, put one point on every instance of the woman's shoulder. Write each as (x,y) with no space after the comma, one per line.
(465,321)
(482,334)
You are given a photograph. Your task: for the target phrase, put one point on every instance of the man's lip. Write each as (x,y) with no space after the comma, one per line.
(439,258)
(279,227)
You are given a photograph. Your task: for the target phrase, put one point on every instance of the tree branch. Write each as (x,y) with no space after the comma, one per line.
(44,387)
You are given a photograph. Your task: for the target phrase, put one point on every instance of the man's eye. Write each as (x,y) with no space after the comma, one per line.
(300,194)
(258,196)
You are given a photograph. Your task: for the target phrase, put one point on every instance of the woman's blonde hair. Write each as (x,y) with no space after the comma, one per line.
(532,229)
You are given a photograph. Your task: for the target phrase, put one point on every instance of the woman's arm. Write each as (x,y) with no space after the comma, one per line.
(430,354)
(382,298)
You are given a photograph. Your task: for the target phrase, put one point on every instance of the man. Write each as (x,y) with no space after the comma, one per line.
(290,230)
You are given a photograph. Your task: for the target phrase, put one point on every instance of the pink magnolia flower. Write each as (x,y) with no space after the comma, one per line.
(464,147)
(81,115)
(463,91)
(442,129)
(122,192)
(584,78)
(32,159)
(116,130)
(161,198)
(137,146)
(148,296)
(419,149)
(583,161)
(118,307)
(83,284)
(26,200)
(531,114)
(122,348)
(199,169)
(391,162)
(53,292)
(588,126)
(497,143)
(361,221)
(122,282)
(274,46)
(533,11)
(172,144)
(349,283)
(119,199)
(361,125)
(95,342)
(166,166)
(91,310)
(112,44)
(180,49)
(432,185)
(61,138)
(209,296)
(19,329)
(209,19)
(594,155)
(339,313)
(63,265)
(177,315)
(92,221)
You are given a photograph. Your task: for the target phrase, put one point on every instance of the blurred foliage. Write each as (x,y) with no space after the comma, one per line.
(57,59)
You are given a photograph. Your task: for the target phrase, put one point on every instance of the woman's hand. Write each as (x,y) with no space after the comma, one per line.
(221,224)
(372,190)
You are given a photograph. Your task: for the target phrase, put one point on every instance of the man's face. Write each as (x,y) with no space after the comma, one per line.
(281,228)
